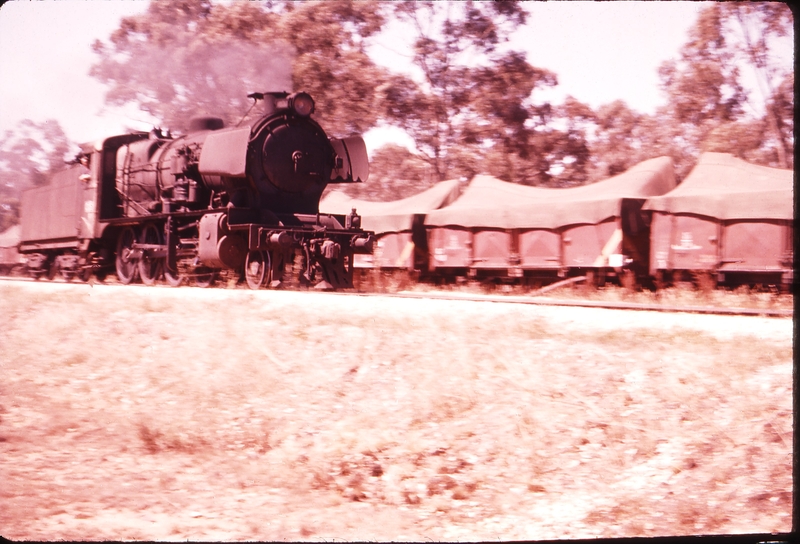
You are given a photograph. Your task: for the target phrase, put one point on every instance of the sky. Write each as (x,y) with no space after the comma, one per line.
(600,51)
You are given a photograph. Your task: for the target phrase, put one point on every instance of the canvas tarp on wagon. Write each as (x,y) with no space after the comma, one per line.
(728,216)
(393,222)
(498,225)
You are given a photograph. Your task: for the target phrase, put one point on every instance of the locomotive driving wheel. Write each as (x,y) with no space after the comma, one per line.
(257,269)
(204,276)
(127,266)
(150,268)
(173,280)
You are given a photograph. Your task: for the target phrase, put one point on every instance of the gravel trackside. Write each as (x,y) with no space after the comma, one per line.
(134,413)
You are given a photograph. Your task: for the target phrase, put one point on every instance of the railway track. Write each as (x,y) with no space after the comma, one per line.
(514,299)
(611,305)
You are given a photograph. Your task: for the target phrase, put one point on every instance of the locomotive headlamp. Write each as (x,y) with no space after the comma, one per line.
(302,104)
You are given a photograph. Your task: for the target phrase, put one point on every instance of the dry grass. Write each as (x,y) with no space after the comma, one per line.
(230,415)
(702,292)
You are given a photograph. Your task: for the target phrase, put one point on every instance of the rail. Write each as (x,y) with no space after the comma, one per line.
(611,305)
(531,300)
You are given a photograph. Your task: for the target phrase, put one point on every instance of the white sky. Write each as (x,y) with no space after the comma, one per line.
(601,51)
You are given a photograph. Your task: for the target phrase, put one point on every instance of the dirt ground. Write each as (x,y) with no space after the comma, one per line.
(134,413)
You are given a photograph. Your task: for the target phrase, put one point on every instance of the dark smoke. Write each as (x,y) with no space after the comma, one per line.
(193,79)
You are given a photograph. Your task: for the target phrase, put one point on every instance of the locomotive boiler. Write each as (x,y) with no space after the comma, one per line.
(243,200)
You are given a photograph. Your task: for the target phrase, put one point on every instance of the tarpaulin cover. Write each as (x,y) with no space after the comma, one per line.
(489,202)
(724,187)
(394,216)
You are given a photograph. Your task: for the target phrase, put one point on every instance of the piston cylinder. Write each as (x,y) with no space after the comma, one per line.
(218,248)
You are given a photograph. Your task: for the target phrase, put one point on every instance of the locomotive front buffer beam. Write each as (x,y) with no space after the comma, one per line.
(321,249)
(268,238)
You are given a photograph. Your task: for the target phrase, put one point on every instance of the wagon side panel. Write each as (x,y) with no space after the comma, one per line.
(694,244)
(394,250)
(754,246)
(540,249)
(591,245)
(450,247)
(491,249)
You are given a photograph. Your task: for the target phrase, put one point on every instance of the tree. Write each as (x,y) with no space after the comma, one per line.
(471,94)
(757,25)
(395,173)
(183,58)
(472,108)
(522,146)
(617,140)
(781,105)
(707,102)
(331,62)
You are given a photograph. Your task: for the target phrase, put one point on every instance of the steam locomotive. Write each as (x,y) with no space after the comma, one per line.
(243,200)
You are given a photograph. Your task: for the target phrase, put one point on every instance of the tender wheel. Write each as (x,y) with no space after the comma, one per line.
(257,268)
(85,268)
(127,267)
(150,269)
(52,269)
(204,276)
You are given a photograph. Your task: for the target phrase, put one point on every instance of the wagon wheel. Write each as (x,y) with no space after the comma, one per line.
(67,274)
(257,268)
(204,276)
(52,269)
(127,267)
(150,268)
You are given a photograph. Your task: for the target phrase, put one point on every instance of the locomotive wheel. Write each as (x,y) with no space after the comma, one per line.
(257,268)
(150,269)
(173,280)
(204,276)
(85,274)
(127,267)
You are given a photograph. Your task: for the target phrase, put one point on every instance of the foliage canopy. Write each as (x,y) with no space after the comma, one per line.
(471,104)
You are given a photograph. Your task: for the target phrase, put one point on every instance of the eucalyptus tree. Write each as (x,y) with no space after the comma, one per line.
(394,173)
(471,108)
(705,87)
